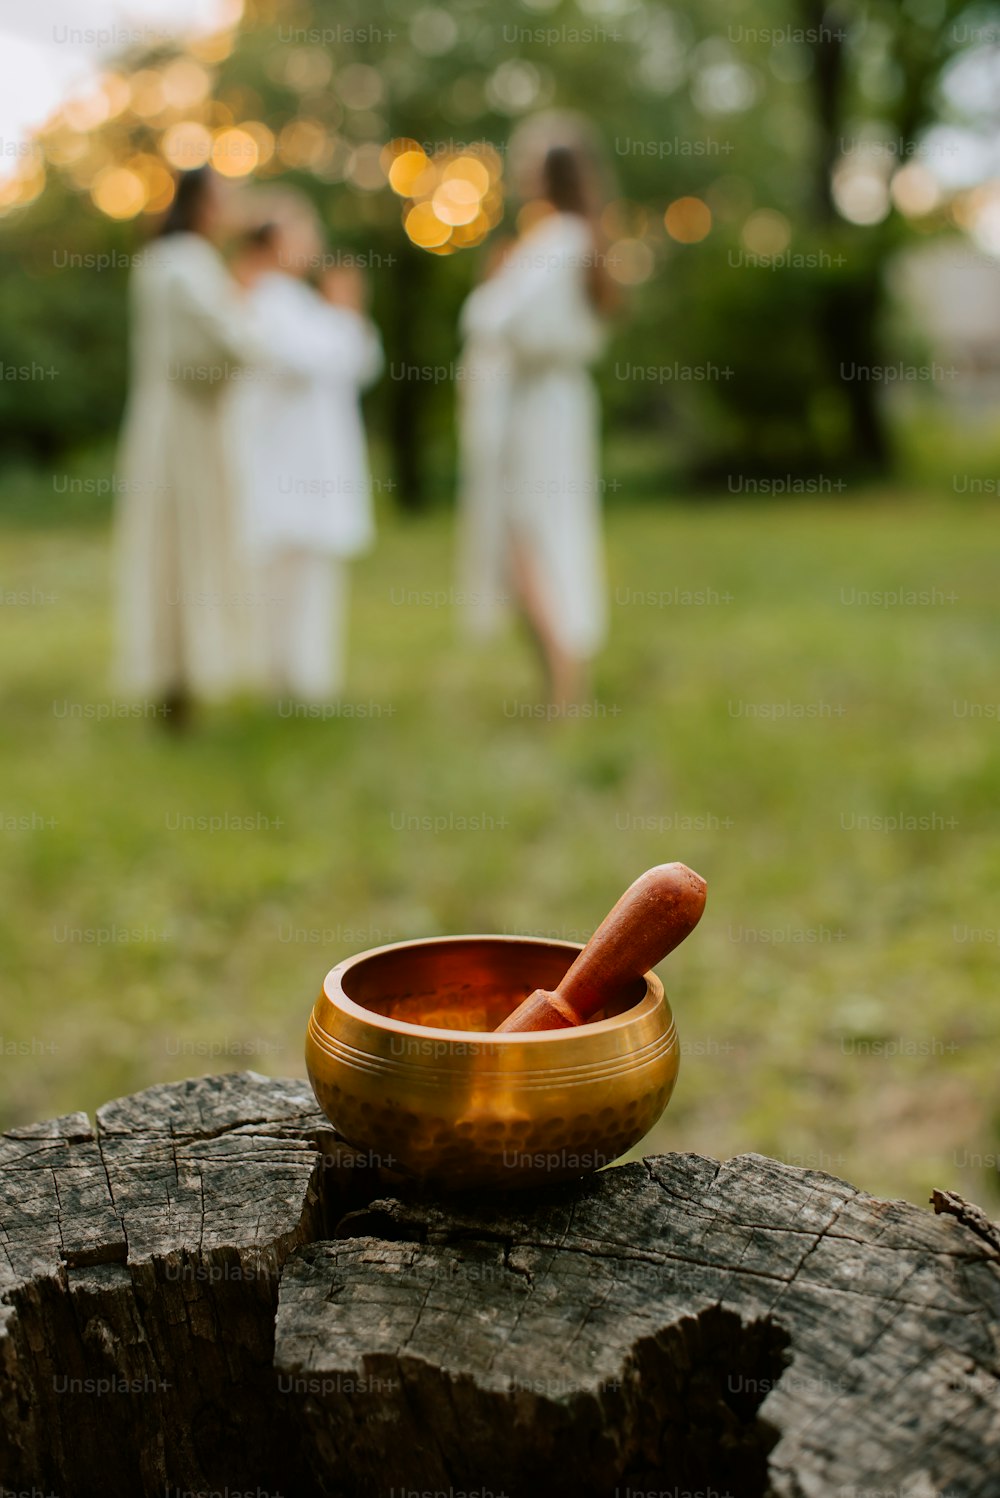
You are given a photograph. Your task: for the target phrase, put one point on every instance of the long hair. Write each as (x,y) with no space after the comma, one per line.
(559,157)
(563,182)
(567,186)
(190,193)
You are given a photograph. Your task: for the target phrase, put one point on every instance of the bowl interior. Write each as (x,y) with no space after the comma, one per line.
(465,982)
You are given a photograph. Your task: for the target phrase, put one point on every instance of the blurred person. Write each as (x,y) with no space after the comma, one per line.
(183,631)
(529,419)
(299,430)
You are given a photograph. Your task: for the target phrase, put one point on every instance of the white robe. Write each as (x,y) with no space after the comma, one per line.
(298,424)
(306,489)
(529,425)
(185,614)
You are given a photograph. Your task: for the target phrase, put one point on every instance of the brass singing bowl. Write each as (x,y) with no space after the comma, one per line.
(402,1064)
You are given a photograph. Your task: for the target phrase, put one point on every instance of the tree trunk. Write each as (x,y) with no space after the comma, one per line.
(407,393)
(852,301)
(208,1291)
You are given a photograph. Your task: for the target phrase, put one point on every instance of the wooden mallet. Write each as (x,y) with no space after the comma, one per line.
(652,917)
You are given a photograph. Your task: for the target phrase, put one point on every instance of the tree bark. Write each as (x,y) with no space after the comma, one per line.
(139,1283)
(208,1291)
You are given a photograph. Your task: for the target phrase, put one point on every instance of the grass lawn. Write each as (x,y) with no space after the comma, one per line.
(837,1006)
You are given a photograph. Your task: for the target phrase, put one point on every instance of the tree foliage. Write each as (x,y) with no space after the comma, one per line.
(731,345)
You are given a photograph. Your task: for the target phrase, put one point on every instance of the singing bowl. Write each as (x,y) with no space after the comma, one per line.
(402,1064)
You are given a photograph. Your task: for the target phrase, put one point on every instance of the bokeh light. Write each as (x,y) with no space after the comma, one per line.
(516,86)
(630,262)
(978,213)
(860,193)
(433,32)
(119,192)
(96,157)
(688,220)
(456,201)
(63,147)
(466,236)
(263,135)
(117,93)
(304,68)
(364,170)
(186,145)
(424,228)
(174,121)
(185,83)
(148,98)
(469,169)
(156,180)
(492,205)
(303,143)
(767,233)
(218,46)
(234,153)
(406,171)
(915,191)
(359,86)
(721,82)
(335,163)
(23,186)
(458,191)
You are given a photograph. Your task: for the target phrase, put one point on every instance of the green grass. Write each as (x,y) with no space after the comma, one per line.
(785,1039)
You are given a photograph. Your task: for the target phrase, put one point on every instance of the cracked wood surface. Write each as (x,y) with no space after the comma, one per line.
(666,1326)
(139,1263)
(658,1326)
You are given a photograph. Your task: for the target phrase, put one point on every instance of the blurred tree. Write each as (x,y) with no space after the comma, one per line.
(64,323)
(755,145)
(882,59)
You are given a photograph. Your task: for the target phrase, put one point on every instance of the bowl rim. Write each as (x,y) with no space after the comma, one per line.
(332,992)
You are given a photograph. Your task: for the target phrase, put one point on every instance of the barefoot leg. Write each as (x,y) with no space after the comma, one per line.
(564,672)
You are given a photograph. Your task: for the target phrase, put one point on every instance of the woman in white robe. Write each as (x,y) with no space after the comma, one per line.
(184,620)
(297,424)
(529,423)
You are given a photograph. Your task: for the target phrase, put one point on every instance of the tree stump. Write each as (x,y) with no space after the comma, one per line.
(208,1292)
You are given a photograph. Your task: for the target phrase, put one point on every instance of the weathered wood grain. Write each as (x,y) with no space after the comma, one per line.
(138,1281)
(673,1326)
(658,1327)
